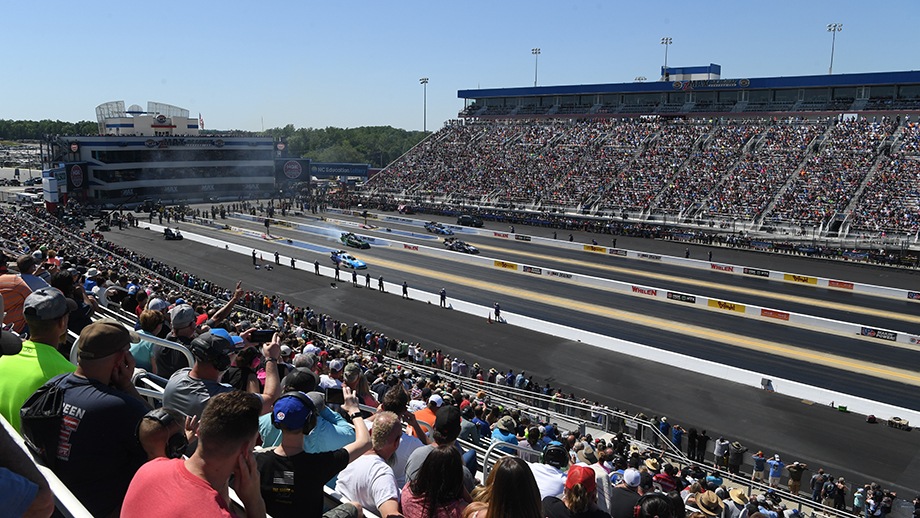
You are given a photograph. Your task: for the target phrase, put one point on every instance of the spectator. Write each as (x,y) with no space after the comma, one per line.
(736,504)
(817,484)
(735,457)
(438,489)
(625,494)
(165,433)
(355,379)
(241,374)
(369,480)
(291,478)
(444,432)
(25,490)
(86,304)
(550,474)
(602,478)
(14,291)
(720,452)
(504,431)
(97,452)
(795,476)
(776,470)
(710,504)
(427,415)
(396,400)
(334,378)
(151,324)
(27,268)
(46,312)
(200,485)
(182,331)
(579,498)
(510,490)
(760,464)
(189,390)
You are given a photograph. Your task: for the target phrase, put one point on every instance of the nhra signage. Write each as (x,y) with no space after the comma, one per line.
(77,176)
(290,170)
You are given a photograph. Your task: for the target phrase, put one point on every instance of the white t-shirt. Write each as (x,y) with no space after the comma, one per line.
(550,480)
(407,444)
(369,481)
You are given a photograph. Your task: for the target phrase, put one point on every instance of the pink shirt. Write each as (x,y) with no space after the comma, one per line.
(164,487)
(414,506)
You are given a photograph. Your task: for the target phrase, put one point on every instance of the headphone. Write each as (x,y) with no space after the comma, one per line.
(637,510)
(307,402)
(555,448)
(202,349)
(177,443)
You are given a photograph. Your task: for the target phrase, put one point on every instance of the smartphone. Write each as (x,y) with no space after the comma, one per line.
(261,336)
(335,396)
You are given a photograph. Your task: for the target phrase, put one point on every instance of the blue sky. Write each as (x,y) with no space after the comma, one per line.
(358,63)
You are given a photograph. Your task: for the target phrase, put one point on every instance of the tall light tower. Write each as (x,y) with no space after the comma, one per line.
(833,28)
(536,56)
(424,83)
(666,41)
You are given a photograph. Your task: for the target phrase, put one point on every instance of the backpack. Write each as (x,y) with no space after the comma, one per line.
(41,417)
(830,489)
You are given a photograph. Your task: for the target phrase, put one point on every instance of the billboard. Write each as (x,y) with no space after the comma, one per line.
(332,170)
(292,170)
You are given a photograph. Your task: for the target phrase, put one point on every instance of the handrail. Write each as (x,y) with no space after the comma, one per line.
(158,341)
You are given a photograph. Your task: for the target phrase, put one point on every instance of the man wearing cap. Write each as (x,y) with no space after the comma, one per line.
(47,312)
(579,497)
(760,465)
(428,414)
(795,476)
(182,320)
(334,378)
(189,389)
(97,452)
(624,495)
(291,478)
(776,470)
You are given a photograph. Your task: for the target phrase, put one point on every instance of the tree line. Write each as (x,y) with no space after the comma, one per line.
(374,145)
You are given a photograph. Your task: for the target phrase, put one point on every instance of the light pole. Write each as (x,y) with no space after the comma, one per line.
(833,28)
(536,56)
(666,41)
(424,82)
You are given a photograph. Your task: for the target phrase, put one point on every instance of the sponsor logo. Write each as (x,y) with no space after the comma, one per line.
(219,142)
(744,83)
(280,146)
(560,274)
(914,339)
(722,267)
(292,169)
(650,257)
(727,306)
(161,119)
(598,249)
(533,270)
(645,291)
(150,143)
(754,271)
(503,264)
(913,295)
(500,234)
(779,315)
(171,188)
(521,238)
(208,187)
(680,297)
(616,251)
(251,187)
(871,332)
(410,247)
(840,284)
(76,175)
(800,278)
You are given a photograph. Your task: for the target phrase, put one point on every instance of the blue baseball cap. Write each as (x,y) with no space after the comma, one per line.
(292,412)
(223,333)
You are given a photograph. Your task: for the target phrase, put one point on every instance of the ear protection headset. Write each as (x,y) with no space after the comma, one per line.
(649,497)
(557,450)
(203,348)
(177,442)
(303,399)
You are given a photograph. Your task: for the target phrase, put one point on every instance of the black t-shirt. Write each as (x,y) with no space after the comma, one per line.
(170,360)
(237,377)
(622,502)
(293,486)
(555,508)
(98,452)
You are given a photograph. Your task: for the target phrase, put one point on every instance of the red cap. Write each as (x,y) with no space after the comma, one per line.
(581,475)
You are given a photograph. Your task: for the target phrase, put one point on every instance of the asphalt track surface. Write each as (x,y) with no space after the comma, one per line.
(799,430)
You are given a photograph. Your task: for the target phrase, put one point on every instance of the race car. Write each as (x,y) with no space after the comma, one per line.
(172,235)
(437,228)
(350,239)
(456,245)
(346,260)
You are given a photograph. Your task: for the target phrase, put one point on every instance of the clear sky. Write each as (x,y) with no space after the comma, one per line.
(358,63)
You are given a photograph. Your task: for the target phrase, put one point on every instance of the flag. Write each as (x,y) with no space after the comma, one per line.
(200,122)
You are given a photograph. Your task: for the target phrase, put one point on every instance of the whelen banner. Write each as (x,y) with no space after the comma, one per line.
(292,170)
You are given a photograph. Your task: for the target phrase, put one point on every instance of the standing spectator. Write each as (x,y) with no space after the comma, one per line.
(46,313)
(369,480)
(840,495)
(405,290)
(859,500)
(735,457)
(760,464)
(97,451)
(795,476)
(200,485)
(817,484)
(776,470)
(438,490)
(510,490)
(692,441)
(579,499)
(292,479)
(720,451)
(443,294)
(701,441)
(677,434)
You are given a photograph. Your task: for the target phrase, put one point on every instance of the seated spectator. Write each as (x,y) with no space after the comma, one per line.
(182,331)
(510,490)
(624,496)
(396,400)
(86,304)
(438,489)
(710,504)
(292,479)
(96,451)
(28,267)
(46,312)
(242,375)
(189,390)
(356,380)
(427,415)
(200,485)
(14,291)
(23,489)
(143,351)
(550,474)
(579,499)
(504,431)
(334,378)
(445,431)
(163,433)
(369,480)
(656,505)
(736,504)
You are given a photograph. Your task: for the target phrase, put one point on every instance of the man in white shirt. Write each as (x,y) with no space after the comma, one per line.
(551,474)
(369,480)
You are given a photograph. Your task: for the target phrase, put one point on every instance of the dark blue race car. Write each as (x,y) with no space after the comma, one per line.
(438,228)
